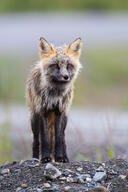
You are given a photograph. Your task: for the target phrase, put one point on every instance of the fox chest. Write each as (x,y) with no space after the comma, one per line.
(51,102)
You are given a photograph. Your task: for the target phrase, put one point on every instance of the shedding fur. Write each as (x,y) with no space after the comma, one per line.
(49,89)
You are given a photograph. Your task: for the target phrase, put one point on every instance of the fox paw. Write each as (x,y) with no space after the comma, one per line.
(65,159)
(45,159)
(61,159)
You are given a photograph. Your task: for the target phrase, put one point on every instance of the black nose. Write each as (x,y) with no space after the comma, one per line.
(66,77)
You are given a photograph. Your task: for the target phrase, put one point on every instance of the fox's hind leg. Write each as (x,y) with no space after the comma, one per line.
(35,130)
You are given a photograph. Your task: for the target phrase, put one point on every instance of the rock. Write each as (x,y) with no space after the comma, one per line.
(62,178)
(5,171)
(70,180)
(24,185)
(70,171)
(88,180)
(100,189)
(51,171)
(35,159)
(100,169)
(79,169)
(55,187)
(122,177)
(21,162)
(18,189)
(84,177)
(39,190)
(31,166)
(99,176)
(80,180)
(17,171)
(66,173)
(1,177)
(67,188)
(47,185)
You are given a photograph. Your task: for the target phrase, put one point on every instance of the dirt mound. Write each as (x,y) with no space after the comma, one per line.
(32,176)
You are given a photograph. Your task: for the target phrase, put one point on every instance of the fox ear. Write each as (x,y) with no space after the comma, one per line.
(75,48)
(45,48)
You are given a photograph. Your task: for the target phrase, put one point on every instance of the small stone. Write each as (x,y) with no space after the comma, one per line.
(122,177)
(100,189)
(90,185)
(21,162)
(70,171)
(37,165)
(18,189)
(55,187)
(80,180)
(100,168)
(5,175)
(39,190)
(99,176)
(35,159)
(51,171)
(17,171)
(79,169)
(24,185)
(1,177)
(5,171)
(47,185)
(31,166)
(67,188)
(84,176)
(66,173)
(88,179)
(70,180)
(62,178)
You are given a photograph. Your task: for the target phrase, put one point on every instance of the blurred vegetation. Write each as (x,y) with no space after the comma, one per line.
(44,5)
(99,155)
(102,81)
(5,143)
(12,81)
(104,77)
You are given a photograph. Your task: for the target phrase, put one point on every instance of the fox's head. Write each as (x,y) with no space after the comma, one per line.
(60,64)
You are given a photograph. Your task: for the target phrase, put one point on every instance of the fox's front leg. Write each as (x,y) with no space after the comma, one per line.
(64,124)
(59,138)
(35,130)
(45,149)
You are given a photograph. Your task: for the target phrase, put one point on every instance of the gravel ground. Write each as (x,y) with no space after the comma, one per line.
(31,175)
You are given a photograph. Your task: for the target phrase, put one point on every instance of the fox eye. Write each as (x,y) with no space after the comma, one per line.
(70,66)
(55,65)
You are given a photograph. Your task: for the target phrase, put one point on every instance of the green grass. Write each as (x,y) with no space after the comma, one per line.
(102,81)
(12,79)
(98,155)
(5,143)
(44,5)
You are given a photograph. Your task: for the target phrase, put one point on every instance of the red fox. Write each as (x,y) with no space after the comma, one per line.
(49,93)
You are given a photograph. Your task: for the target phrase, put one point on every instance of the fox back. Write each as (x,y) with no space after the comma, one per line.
(49,89)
